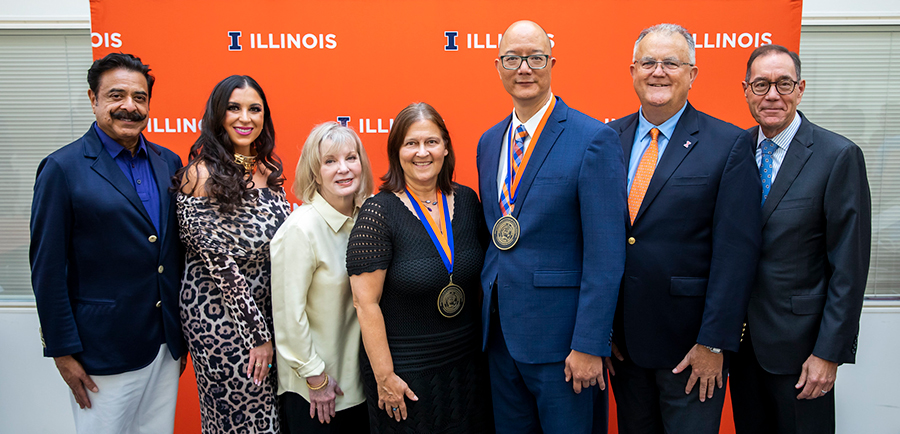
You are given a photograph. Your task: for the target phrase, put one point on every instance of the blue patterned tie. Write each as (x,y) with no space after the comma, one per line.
(766,167)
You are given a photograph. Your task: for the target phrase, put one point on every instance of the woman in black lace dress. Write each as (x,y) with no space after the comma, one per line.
(414,259)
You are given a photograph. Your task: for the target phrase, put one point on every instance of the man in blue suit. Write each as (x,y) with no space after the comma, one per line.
(692,247)
(552,183)
(106,261)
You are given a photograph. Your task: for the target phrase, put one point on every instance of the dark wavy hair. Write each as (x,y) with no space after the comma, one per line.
(419,111)
(227,182)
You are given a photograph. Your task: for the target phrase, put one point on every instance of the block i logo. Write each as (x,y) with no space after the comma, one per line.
(451,40)
(234,37)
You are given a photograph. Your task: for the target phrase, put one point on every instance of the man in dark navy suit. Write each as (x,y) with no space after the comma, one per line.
(803,317)
(691,248)
(552,183)
(106,261)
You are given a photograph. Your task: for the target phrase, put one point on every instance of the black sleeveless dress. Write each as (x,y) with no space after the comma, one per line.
(440,358)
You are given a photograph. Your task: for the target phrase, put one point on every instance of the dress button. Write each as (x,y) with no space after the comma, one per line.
(630,240)
(160,269)
(152,238)
(159,303)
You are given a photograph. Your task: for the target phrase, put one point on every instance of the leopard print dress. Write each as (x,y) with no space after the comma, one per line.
(226,307)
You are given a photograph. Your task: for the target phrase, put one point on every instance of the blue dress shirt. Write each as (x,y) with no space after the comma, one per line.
(137,170)
(642,140)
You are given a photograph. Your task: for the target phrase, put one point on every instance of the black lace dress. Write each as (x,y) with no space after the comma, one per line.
(440,358)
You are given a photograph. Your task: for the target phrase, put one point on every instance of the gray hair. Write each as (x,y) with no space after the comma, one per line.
(668,29)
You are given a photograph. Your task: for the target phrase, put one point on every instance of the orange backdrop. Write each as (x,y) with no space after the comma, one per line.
(363,61)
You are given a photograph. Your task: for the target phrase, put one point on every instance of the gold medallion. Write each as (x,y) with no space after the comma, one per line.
(506,232)
(451,300)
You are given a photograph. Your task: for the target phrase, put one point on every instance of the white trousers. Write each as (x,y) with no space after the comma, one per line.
(136,402)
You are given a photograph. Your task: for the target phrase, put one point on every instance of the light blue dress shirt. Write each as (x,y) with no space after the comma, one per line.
(782,143)
(642,140)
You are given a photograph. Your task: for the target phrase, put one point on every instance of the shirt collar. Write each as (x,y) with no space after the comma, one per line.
(114,148)
(784,138)
(532,124)
(335,219)
(667,128)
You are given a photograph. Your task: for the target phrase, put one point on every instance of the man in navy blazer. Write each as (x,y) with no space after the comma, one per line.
(692,246)
(550,296)
(803,317)
(106,261)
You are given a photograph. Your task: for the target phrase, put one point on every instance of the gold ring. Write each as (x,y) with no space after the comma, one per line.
(258,364)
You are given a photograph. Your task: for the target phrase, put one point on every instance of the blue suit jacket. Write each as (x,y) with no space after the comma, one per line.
(557,287)
(693,248)
(106,284)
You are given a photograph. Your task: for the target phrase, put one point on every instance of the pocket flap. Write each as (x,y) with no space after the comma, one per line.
(95,301)
(690,180)
(557,279)
(803,202)
(688,286)
(808,304)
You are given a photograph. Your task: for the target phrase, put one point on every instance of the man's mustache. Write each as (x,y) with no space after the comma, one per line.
(124,115)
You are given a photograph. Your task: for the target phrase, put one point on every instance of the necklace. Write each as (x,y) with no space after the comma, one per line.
(249,162)
(428,203)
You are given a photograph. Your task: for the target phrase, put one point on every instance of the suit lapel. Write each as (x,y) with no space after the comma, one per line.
(163,181)
(685,133)
(552,130)
(627,138)
(493,143)
(796,157)
(107,168)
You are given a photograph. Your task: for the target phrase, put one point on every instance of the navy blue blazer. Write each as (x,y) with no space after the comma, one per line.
(817,238)
(557,287)
(106,284)
(692,251)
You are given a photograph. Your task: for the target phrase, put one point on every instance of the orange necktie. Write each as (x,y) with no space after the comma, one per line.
(642,176)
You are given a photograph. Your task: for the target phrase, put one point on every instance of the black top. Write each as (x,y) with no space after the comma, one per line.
(389,236)
(438,357)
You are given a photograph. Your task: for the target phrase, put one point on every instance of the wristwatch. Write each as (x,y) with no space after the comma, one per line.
(713,350)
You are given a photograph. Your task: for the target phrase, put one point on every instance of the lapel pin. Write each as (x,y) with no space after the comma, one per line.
(687,143)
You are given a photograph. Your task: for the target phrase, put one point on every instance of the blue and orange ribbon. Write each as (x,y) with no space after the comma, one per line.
(441,233)
(511,183)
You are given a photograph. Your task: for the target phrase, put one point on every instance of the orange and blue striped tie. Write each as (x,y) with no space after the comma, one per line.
(518,150)
(643,175)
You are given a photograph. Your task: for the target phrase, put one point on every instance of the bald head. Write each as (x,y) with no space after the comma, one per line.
(529,88)
(525,31)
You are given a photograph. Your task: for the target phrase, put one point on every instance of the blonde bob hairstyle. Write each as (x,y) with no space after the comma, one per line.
(325,139)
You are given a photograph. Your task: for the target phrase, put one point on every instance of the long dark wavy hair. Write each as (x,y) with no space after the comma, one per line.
(227,182)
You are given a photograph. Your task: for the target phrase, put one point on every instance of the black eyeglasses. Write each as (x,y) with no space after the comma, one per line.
(534,61)
(785,86)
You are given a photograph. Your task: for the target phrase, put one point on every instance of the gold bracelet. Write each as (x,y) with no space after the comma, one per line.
(319,387)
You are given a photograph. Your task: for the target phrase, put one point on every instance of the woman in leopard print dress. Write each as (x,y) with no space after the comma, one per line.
(230,204)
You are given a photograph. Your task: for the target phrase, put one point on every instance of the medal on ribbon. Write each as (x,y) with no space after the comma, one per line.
(452,298)
(506,230)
